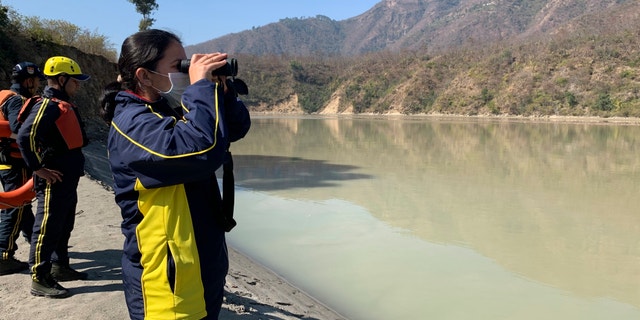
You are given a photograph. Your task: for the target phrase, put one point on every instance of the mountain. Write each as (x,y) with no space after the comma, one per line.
(523,58)
(397,25)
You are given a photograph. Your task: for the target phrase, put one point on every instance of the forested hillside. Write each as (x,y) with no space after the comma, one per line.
(586,67)
(551,62)
(531,58)
(396,25)
(16,47)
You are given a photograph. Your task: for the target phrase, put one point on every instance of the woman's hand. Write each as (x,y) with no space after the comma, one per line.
(202,65)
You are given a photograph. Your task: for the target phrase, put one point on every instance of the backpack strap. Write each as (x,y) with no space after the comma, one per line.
(27,106)
(228,193)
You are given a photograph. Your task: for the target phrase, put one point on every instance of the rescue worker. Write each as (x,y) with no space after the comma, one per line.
(169,133)
(25,82)
(51,140)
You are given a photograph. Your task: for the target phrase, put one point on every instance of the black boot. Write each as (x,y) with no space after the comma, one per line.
(48,287)
(12,265)
(64,273)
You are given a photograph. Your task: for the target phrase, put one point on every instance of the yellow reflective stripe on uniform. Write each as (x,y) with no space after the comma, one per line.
(36,122)
(162,155)
(15,232)
(159,115)
(43,228)
(167,230)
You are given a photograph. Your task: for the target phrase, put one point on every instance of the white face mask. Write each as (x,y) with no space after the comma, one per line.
(179,82)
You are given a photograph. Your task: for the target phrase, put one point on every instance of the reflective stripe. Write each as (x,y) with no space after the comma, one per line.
(167,231)
(43,229)
(36,123)
(67,124)
(162,154)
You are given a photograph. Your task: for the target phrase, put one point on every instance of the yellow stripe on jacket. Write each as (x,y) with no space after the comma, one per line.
(167,230)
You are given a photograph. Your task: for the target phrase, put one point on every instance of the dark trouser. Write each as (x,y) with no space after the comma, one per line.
(14,220)
(213,278)
(54,221)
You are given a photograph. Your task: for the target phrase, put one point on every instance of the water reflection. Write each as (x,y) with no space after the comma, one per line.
(553,203)
(277,173)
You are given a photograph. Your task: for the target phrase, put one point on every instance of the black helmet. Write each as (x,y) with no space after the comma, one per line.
(24,70)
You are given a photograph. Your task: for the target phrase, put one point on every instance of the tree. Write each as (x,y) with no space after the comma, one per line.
(145,7)
(4,18)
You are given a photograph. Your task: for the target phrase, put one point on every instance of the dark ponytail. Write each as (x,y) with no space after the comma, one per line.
(141,50)
(108,101)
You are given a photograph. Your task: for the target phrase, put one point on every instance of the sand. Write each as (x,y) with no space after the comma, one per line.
(252,291)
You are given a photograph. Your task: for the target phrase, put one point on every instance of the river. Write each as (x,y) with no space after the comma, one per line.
(434,218)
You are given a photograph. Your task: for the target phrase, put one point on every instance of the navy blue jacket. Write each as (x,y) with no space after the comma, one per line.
(41,141)
(163,163)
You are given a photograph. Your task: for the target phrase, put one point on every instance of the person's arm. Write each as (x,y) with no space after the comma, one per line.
(11,110)
(164,151)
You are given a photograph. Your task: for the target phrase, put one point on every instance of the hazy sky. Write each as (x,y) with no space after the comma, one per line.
(194,21)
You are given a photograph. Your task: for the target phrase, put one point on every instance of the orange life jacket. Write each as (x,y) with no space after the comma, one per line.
(4,96)
(5,129)
(24,194)
(67,123)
